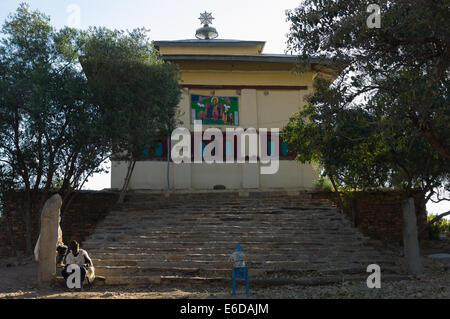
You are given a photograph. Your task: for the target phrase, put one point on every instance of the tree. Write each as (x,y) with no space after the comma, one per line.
(138,92)
(49,128)
(386,116)
(359,149)
(406,60)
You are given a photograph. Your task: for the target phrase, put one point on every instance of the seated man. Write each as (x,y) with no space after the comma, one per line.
(81,258)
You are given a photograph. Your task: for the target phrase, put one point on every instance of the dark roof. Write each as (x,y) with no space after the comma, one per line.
(277,58)
(215,42)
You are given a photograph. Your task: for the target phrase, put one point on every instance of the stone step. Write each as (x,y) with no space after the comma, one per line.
(145,281)
(187,239)
(325,222)
(197,261)
(203,240)
(187,272)
(241,221)
(215,256)
(233,231)
(193,198)
(224,206)
(265,249)
(261,263)
(258,251)
(254,211)
(253,214)
(159,234)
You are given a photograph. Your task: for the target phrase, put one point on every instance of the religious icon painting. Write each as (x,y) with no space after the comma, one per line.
(215,110)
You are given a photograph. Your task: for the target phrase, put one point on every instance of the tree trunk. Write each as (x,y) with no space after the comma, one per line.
(340,202)
(67,201)
(168,163)
(354,211)
(434,141)
(126,181)
(411,249)
(438,218)
(431,222)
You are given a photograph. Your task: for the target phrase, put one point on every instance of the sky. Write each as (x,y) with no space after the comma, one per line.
(259,20)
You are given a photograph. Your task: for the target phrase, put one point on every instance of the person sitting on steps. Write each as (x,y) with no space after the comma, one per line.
(81,258)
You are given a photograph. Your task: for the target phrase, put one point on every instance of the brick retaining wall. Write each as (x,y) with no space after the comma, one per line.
(87,209)
(378,214)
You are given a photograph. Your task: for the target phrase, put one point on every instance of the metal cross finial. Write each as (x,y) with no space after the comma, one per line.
(206,18)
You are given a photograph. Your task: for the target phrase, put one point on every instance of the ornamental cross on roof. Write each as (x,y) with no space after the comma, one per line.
(206,18)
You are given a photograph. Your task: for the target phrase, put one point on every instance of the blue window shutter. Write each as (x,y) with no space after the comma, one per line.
(284,149)
(159,149)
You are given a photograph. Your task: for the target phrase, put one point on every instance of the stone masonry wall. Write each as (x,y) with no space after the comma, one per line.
(378,214)
(86,210)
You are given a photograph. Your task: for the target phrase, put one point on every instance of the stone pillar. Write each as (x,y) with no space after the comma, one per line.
(181,176)
(250,175)
(413,264)
(49,237)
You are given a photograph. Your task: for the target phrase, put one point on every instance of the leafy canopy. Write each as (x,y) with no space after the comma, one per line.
(137,91)
(403,67)
(48,122)
(385,120)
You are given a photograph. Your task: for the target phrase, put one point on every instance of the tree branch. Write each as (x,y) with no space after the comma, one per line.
(438,217)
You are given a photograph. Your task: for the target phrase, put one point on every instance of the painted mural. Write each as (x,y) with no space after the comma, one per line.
(215,110)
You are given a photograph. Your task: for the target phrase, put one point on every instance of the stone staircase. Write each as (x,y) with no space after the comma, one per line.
(186,239)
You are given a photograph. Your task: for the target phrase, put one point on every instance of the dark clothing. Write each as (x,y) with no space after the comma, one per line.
(62,251)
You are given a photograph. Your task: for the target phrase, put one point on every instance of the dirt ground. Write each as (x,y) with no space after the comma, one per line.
(20,281)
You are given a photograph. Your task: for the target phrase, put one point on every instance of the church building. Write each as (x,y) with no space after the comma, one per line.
(228,84)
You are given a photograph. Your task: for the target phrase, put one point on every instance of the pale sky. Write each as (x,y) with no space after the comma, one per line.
(261,20)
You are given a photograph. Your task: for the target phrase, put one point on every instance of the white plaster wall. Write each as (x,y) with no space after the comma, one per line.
(291,174)
(205,176)
(146,175)
(152,175)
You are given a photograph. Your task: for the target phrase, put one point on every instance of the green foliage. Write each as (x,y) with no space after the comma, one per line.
(57,184)
(402,67)
(441,226)
(48,123)
(362,150)
(137,92)
(384,121)
(324,184)
(57,124)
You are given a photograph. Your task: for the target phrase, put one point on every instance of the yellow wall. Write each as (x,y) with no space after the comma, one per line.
(246,78)
(258,108)
(179,50)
